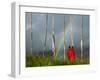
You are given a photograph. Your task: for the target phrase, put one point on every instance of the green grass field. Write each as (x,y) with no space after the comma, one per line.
(39,60)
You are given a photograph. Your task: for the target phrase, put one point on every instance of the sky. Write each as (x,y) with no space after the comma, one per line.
(39,30)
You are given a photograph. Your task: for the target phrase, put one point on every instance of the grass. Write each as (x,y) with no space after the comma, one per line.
(39,60)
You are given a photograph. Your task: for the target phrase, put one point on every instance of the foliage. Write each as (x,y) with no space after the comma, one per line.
(40,60)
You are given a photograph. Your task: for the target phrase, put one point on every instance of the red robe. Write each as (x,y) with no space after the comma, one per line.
(70,54)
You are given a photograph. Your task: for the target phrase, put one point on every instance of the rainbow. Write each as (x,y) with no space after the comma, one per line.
(61,40)
(67,28)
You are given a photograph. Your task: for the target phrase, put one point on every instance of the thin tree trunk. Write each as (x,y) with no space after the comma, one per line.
(64,39)
(72,43)
(46,25)
(82,40)
(53,38)
(31,32)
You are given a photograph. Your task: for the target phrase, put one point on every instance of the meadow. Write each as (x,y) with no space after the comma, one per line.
(33,60)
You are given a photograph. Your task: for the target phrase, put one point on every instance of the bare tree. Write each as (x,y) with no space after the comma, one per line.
(82,39)
(71,32)
(64,39)
(31,32)
(45,38)
(53,37)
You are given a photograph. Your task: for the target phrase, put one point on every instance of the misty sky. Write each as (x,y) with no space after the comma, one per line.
(39,30)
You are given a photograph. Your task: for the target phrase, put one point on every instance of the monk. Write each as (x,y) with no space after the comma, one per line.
(70,54)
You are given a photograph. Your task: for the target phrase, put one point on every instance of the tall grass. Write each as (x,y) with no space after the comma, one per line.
(39,60)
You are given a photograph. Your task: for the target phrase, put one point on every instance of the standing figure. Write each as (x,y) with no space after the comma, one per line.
(70,54)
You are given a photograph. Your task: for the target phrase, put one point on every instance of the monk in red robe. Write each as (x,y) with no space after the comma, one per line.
(70,54)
